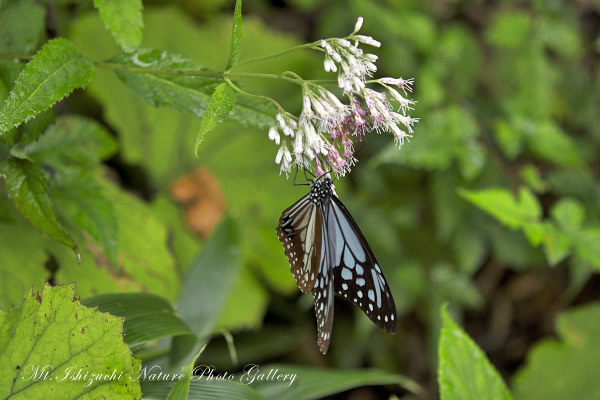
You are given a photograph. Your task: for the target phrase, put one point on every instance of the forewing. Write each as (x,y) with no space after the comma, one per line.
(300,230)
(357,276)
(323,294)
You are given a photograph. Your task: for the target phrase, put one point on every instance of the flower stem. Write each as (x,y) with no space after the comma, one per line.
(281,53)
(256,96)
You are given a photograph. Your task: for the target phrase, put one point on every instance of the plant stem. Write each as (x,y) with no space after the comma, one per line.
(268,57)
(244,93)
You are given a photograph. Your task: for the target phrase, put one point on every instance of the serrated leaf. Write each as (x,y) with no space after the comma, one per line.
(464,372)
(565,368)
(123,18)
(81,200)
(21,263)
(147,317)
(221,103)
(184,92)
(27,188)
(53,328)
(54,72)
(72,139)
(32,129)
(316,383)
(502,205)
(145,263)
(236,35)
(206,289)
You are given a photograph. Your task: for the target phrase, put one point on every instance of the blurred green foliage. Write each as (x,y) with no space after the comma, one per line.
(498,184)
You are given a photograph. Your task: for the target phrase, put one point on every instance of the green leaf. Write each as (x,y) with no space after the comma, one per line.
(22,26)
(123,18)
(557,245)
(21,262)
(569,214)
(509,139)
(54,72)
(236,35)
(502,205)
(587,245)
(464,372)
(531,176)
(452,135)
(27,188)
(147,317)
(145,263)
(141,72)
(31,130)
(72,139)
(564,368)
(214,390)
(144,73)
(181,389)
(206,289)
(221,103)
(246,304)
(509,29)
(316,383)
(53,328)
(545,137)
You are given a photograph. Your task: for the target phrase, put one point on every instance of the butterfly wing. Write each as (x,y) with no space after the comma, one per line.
(357,276)
(300,230)
(323,293)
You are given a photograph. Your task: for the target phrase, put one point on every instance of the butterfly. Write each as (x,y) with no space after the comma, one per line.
(328,254)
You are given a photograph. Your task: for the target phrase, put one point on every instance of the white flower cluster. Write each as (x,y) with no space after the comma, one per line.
(325,127)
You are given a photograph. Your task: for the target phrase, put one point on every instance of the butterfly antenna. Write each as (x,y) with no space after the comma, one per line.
(296,176)
(326,173)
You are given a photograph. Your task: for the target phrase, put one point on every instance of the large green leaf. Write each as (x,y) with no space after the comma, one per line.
(206,287)
(221,103)
(21,262)
(27,188)
(53,328)
(564,368)
(235,50)
(502,205)
(144,260)
(123,18)
(464,372)
(71,139)
(141,72)
(147,317)
(152,75)
(54,72)
(316,383)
